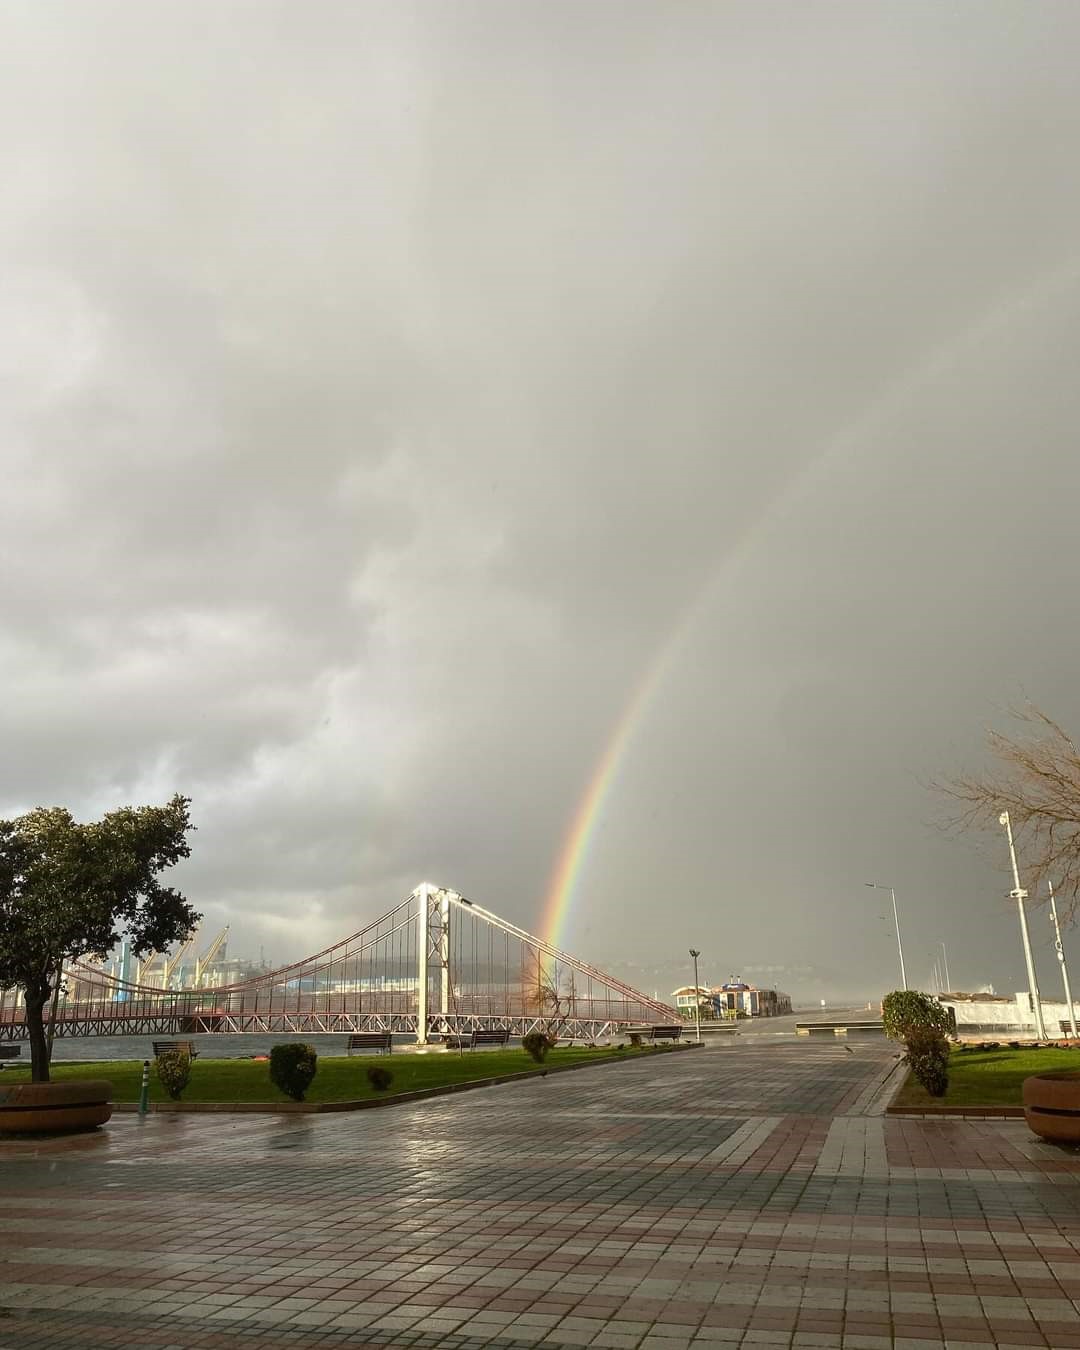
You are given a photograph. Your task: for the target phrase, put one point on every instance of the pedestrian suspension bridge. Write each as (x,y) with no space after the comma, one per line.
(437,964)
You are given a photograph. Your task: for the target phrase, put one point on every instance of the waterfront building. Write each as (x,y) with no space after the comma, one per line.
(740,999)
(736,998)
(686,998)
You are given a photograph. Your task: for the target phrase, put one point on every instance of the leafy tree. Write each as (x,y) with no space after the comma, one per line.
(69,890)
(905,1009)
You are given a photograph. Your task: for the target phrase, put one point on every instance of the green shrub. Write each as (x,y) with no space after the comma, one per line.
(380,1077)
(904,1009)
(173,1071)
(537,1044)
(292,1067)
(928,1055)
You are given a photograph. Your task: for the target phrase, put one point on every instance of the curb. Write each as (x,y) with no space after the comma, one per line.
(959,1112)
(886,1090)
(372,1103)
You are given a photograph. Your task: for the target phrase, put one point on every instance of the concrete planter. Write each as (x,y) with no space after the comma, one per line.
(1052,1105)
(46,1108)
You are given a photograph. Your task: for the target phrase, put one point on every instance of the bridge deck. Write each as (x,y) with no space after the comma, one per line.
(149,1023)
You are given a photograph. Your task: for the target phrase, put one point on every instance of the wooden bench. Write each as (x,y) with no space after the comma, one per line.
(181,1047)
(371,1040)
(10,1051)
(656,1033)
(490,1036)
(1064,1024)
(485,1036)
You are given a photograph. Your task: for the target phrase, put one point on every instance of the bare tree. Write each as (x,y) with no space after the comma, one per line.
(1037,780)
(544,997)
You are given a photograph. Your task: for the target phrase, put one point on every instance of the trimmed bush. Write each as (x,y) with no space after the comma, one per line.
(292,1067)
(537,1044)
(380,1077)
(173,1071)
(928,1055)
(905,1009)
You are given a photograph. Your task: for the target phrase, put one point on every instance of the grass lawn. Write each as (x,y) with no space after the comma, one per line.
(338,1078)
(989,1077)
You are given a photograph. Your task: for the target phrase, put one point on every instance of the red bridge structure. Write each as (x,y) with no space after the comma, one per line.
(437,964)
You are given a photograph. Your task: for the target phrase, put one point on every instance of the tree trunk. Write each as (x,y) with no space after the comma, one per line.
(39,1049)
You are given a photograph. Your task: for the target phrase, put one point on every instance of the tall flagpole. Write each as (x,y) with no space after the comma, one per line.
(1060,952)
(1020,895)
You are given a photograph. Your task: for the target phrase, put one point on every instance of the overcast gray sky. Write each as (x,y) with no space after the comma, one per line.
(382,386)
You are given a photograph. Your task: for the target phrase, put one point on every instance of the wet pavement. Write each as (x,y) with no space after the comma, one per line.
(750,1193)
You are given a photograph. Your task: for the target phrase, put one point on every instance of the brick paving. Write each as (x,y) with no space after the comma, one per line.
(743,1195)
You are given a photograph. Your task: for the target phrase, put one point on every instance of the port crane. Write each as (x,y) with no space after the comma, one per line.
(172,963)
(145,967)
(202,962)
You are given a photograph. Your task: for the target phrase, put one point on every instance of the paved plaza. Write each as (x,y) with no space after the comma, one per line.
(749,1194)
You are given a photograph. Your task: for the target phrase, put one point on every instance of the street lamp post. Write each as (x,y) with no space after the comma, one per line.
(697,996)
(896,919)
(1020,895)
(1060,952)
(945,958)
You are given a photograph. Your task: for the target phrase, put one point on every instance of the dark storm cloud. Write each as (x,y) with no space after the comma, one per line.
(382,384)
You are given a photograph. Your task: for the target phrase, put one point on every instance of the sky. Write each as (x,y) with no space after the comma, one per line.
(393,396)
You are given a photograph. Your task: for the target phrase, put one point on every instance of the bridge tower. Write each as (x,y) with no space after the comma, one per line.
(433,952)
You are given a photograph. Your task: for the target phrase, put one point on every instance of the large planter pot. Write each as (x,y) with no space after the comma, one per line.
(1052,1105)
(45,1108)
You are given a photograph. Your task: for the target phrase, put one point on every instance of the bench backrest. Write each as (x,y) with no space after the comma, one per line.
(666,1033)
(361,1038)
(184,1047)
(10,1051)
(492,1037)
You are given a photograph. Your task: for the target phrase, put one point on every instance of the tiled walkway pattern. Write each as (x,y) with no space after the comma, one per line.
(746,1195)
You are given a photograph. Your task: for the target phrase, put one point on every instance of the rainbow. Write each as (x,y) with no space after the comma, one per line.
(573,853)
(575,847)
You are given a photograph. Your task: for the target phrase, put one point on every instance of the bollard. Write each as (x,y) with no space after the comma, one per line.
(144,1093)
